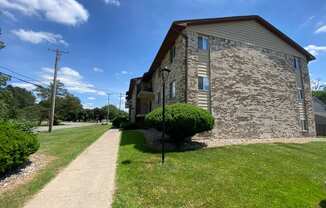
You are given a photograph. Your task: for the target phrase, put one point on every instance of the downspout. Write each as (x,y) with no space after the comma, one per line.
(186,66)
(209,78)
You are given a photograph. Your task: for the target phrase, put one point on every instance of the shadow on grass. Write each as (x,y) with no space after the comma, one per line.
(322,204)
(136,138)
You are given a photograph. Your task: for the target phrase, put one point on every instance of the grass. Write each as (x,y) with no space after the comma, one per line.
(262,175)
(62,145)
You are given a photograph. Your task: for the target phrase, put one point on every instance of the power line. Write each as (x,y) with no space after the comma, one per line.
(22,80)
(19,74)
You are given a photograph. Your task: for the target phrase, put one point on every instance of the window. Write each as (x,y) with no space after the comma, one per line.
(304,125)
(172,54)
(300,95)
(203,83)
(203,42)
(296,63)
(172,89)
(158,101)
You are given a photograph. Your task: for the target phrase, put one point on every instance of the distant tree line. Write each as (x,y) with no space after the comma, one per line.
(21,104)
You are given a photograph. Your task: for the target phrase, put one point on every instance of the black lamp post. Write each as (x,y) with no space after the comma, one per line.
(165,72)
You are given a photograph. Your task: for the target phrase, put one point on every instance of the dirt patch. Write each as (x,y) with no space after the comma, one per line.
(226,142)
(153,141)
(24,173)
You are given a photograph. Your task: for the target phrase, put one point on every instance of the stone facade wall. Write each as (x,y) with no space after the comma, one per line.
(253,90)
(177,74)
(308,99)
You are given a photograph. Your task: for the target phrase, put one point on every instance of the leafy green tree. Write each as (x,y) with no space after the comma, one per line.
(320,94)
(68,108)
(44,93)
(4,108)
(3,80)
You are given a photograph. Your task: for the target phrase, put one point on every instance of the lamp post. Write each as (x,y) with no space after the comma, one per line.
(164,71)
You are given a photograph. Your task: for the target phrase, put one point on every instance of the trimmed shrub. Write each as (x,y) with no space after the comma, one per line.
(17,142)
(119,120)
(182,120)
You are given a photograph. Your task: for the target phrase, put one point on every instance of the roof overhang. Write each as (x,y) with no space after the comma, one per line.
(132,86)
(178,26)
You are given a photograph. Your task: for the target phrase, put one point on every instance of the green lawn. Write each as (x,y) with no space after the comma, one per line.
(262,175)
(62,145)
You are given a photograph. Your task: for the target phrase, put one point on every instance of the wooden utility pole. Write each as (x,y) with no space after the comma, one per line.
(121,95)
(58,54)
(108,108)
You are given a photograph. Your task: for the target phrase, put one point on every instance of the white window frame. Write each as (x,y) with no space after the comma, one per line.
(172,90)
(202,45)
(304,125)
(204,78)
(296,63)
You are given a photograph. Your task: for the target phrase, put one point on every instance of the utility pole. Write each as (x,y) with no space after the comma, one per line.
(121,95)
(109,107)
(58,54)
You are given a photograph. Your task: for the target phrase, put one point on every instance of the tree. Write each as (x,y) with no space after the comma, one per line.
(14,99)
(4,110)
(44,93)
(320,94)
(68,108)
(3,80)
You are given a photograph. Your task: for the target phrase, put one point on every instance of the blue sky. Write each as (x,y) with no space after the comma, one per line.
(111,41)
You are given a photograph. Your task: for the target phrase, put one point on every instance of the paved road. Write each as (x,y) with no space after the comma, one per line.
(87,182)
(64,126)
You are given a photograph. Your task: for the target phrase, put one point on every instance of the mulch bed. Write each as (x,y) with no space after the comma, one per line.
(23,173)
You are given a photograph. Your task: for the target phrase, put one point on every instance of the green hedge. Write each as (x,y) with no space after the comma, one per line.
(17,142)
(182,120)
(119,120)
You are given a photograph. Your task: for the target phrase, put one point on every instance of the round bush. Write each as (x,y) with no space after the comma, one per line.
(182,120)
(119,120)
(16,144)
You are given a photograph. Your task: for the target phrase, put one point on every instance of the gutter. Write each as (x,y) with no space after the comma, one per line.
(186,65)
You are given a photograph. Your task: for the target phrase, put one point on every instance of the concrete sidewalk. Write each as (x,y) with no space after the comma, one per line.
(88,181)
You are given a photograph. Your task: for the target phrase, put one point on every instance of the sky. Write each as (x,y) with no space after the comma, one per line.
(110,41)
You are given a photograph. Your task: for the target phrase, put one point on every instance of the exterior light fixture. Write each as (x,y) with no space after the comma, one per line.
(165,74)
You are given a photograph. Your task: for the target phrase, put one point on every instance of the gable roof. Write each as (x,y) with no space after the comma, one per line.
(178,26)
(132,85)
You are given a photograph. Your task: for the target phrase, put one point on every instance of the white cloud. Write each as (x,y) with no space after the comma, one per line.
(9,15)
(315,50)
(68,12)
(39,37)
(317,84)
(124,72)
(113,2)
(72,80)
(96,69)
(91,98)
(321,29)
(26,86)
(88,105)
